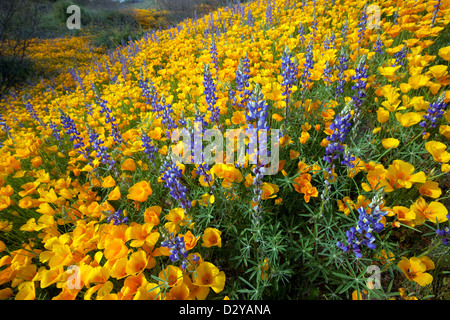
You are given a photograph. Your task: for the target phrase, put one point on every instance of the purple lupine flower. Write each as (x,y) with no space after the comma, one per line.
(167,117)
(250,18)
(73,133)
(340,127)
(327,74)
(256,118)
(150,93)
(182,120)
(362,234)
(332,41)
(258,171)
(288,72)
(378,46)
(341,67)
(301,34)
(199,120)
(210,95)
(269,13)
(117,219)
(55,131)
(108,70)
(77,78)
(400,56)
(289,75)
(102,151)
(197,132)
(395,20)
(89,109)
(117,137)
(213,51)
(257,111)
(326,43)
(445,234)
(347,160)
(203,170)
(4,125)
(437,7)
(308,65)
(171,175)
(314,27)
(344,31)
(33,114)
(360,77)
(360,87)
(149,148)
(177,249)
(434,112)
(242,83)
(362,27)
(123,63)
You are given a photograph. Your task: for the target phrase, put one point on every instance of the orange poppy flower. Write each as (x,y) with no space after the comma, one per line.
(140,191)
(414,269)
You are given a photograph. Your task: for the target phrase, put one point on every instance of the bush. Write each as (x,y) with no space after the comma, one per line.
(18,25)
(110,38)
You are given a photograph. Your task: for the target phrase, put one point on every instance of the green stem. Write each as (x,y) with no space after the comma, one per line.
(443,198)
(383,155)
(411,141)
(437,176)
(437,244)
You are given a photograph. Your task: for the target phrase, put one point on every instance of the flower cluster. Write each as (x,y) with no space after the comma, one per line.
(100,149)
(171,175)
(116,218)
(115,132)
(149,148)
(167,117)
(242,84)
(4,125)
(437,8)
(362,26)
(341,67)
(288,73)
(445,234)
(301,34)
(269,13)
(378,46)
(33,114)
(308,65)
(360,78)
(150,93)
(257,111)
(177,249)
(362,234)
(213,51)
(434,112)
(74,135)
(400,56)
(340,128)
(210,95)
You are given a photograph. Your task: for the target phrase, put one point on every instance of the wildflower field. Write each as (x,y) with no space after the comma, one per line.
(351,97)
